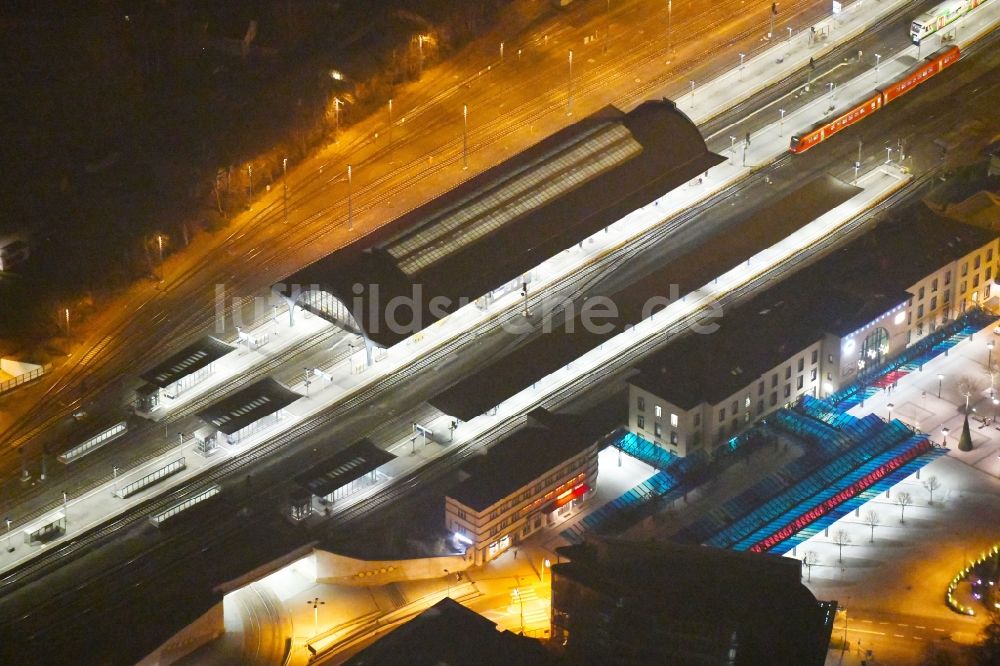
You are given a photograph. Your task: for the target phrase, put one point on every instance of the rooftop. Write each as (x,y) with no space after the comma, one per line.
(448,634)
(839,294)
(350,464)
(238,410)
(512,217)
(687,264)
(514,462)
(189,360)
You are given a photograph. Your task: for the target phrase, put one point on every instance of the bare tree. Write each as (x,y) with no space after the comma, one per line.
(841,538)
(810,559)
(967,385)
(931,484)
(872,519)
(903,500)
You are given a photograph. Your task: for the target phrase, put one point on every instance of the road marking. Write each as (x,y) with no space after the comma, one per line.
(919,626)
(899,635)
(865,631)
(883,623)
(917,638)
(867,621)
(902,625)
(936,629)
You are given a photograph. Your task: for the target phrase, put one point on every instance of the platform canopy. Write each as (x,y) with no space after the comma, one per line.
(349,465)
(248,405)
(187,361)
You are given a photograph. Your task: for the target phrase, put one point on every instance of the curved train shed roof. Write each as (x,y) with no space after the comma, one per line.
(503,222)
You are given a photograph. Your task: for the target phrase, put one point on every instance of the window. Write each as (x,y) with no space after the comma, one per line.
(802,364)
(722,415)
(920,294)
(961,289)
(946,297)
(673,420)
(829,376)
(673,436)
(989,273)
(947,278)
(760,408)
(933,303)
(774,380)
(746,401)
(788,390)
(815,357)
(920,328)
(812,375)
(640,422)
(934,284)
(658,410)
(975,281)
(965,269)
(640,404)
(736,406)
(829,358)
(760,388)
(697,420)
(461,514)
(989,255)
(788,372)
(798,384)
(774,399)
(920,313)
(979,262)
(657,429)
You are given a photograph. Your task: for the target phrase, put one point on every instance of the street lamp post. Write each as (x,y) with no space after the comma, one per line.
(833,95)
(284,182)
(670,26)
(390,129)
(781,123)
(732,147)
(315,603)
(742,56)
(250,180)
(878,59)
(888,154)
(350,207)
(692,93)
(788,51)
(989,356)
(940,379)
(944,436)
(465,136)
(890,406)
(336,117)
(159,248)
(569,86)
(66,317)
(114,474)
(10,546)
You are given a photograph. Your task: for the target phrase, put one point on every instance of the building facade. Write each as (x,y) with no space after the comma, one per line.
(819,331)
(534,478)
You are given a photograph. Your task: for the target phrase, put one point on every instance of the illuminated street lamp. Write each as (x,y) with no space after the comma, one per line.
(337,104)
(284,183)
(692,93)
(940,379)
(390,129)
(989,357)
(159,248)
(66,319)
(781,123)
(569,86)
(350,208)
(465,136)
(944,436)
(250,179)
(878,59)
(114,474)
(890,406)
(742,56)
(316,603)
(10,546)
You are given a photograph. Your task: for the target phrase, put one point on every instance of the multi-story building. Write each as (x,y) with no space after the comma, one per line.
(620,602)
(814,332)
(535,477)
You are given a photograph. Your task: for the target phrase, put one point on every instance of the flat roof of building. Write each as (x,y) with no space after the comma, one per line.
(352,463)
(505,221)
(187,361)
(691,268)
(248,405)
(450,633)
(526,454)
(839,294)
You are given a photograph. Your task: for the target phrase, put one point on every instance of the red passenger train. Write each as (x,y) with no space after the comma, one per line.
(934,63)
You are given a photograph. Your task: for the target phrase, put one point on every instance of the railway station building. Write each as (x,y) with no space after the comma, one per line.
(179,373)
(483,239)
(531,479)
(246,412)
(819,330)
